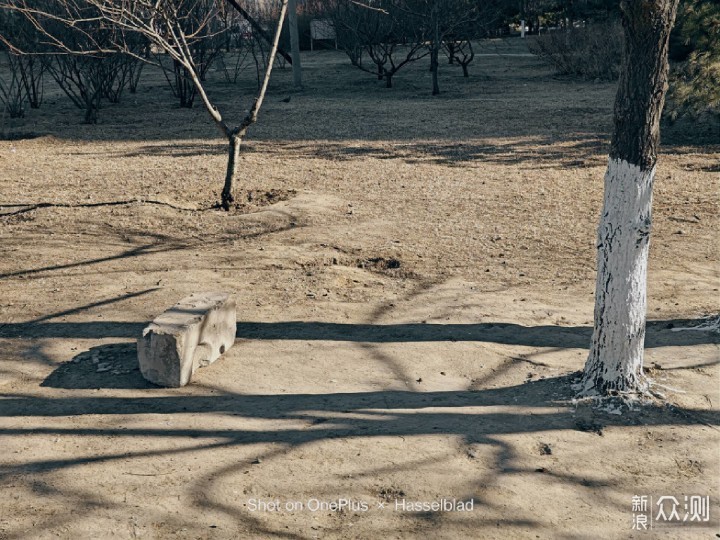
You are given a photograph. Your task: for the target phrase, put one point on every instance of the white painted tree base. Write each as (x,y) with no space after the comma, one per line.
(616,353)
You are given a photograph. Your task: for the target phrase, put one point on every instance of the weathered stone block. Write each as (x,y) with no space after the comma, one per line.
(191,334)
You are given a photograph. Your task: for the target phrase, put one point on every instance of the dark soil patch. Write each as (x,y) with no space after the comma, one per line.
(254,199)
(379,264)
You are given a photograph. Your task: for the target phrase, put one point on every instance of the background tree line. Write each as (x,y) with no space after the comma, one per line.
(579,37)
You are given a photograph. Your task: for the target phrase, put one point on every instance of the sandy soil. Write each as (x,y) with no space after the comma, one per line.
(414,278)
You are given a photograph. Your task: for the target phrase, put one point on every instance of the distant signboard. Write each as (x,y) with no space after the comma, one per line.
(322,29)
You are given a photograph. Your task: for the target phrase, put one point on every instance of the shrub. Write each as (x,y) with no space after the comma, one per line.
(12,91)
(591,52)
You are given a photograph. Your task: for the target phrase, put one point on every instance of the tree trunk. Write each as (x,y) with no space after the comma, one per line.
(434,53)
(388,79)
(466,74)
(134,77)
(91,115)
(235,136)
(233,156)
(434,69)
(92,108)
(184,86)
(294,44)
(616,352)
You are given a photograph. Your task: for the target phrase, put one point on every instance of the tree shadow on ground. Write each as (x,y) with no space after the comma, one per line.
(659,333)
(115,365)
(163,244)
(377,413)
(307,419)
(481,417)
(576,150)
(129,253)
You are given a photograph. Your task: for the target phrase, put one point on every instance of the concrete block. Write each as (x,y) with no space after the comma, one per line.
(191,334)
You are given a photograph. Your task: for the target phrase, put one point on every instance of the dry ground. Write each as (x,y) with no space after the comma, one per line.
(414,279)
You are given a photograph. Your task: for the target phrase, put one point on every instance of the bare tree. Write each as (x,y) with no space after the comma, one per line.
(351,24)
(441,20)
(82,79)
(445,21)
(27,70)
(460,51)
(385,30)
(615,363)
(12,91)
(478,22)
(161,23)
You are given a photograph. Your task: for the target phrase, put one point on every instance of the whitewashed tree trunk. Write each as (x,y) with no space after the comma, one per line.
(616,351)
(615,363)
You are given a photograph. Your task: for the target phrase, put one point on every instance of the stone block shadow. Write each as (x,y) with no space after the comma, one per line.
(114,365)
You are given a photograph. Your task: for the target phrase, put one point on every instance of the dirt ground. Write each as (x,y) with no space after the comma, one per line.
(414,278)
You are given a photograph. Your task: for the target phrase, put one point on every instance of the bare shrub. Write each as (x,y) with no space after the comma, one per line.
(87,79)
(120,71)
(32,71)
(26,70)
(590,52)
(233,64)
(135,70)
(86,69)
(82,79)
(12,91)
